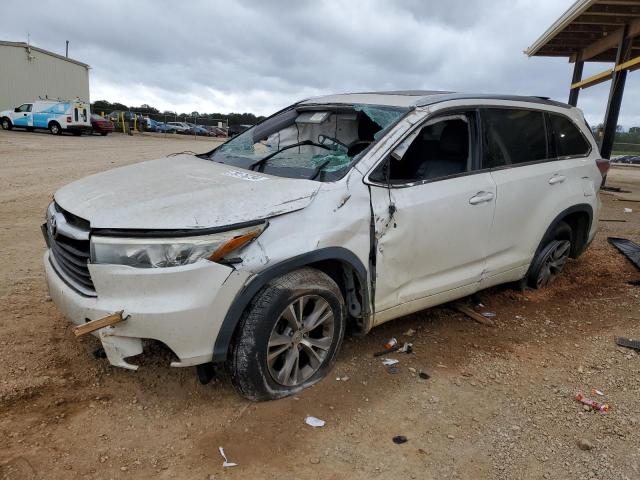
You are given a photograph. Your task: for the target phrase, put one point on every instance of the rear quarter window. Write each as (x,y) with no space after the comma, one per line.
(512,136)
(568,139)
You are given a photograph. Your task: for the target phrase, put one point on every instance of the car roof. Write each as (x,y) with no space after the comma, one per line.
(420,98)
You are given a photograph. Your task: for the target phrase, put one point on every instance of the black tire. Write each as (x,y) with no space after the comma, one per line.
(6,124)
(247,365)
(104,134)
(553,253)
(55,128)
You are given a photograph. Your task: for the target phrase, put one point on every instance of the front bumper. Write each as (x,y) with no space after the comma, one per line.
(183,307)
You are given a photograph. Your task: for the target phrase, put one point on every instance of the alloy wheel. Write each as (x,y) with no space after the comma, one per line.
(300,340)
(556,256)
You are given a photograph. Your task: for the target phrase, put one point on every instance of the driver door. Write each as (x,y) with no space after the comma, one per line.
(433,213)
(22,116)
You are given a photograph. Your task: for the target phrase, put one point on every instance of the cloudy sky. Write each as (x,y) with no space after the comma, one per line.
(258,56)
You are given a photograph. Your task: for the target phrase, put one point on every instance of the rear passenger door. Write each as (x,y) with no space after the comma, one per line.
(531,186)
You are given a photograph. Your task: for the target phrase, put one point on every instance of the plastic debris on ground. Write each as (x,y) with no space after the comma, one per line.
(424,375)
(399,439)
(390,361)
(314,422)
(409,333)
(628,210)
(392,342)
(488,314)
(628,248)
(393,369)
(595,391)
(226,462)
(628,343)
(601,407)
(406,348)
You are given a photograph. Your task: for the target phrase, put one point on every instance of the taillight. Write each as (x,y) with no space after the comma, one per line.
(603,166)
(69,119)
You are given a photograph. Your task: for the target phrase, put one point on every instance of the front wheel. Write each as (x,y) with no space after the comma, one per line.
(289,337)
(6,124)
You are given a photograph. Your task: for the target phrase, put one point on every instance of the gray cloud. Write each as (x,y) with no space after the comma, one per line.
(262,55)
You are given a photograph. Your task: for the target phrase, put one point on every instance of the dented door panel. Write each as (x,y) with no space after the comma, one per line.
(434,242)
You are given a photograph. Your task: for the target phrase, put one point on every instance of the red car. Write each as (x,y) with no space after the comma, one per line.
(101,125)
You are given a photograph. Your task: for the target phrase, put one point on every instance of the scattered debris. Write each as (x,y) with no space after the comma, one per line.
(393,369)
(314,422)
(606,188)
(390,361)
(469,312)
(601,407)
(628,248)
(409,333)
(226,462)
(424,375)
(399,439)
(412,370)
(342,379)
(635,283)
(612,220)
(488,314)
(314,460)
(406,348)
(628,343)
(392,342)
(584,444)
(628,210)
(595,391)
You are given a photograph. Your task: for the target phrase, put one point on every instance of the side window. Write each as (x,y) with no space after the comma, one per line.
(569,141)
(439,149)
(512,136)
(25,107)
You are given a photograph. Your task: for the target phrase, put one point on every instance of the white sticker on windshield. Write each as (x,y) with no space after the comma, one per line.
(252,177)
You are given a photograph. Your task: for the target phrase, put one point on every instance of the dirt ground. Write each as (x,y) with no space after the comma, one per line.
(499,402)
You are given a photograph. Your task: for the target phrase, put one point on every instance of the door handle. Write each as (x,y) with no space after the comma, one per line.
(557,179)
(481,197)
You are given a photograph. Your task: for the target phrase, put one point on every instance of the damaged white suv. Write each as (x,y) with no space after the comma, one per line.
(339,211)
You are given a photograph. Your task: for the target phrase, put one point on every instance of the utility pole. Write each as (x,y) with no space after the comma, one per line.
(66,54)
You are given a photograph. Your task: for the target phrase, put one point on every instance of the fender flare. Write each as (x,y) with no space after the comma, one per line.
(579,208)
(240,303)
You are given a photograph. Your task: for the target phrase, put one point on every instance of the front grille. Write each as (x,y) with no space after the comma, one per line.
(70,249)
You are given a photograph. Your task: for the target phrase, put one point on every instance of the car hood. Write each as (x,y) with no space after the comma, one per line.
(182,192)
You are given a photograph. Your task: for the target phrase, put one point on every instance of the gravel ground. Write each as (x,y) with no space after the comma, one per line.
(499,402)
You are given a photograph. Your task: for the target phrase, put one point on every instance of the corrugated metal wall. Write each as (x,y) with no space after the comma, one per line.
(23,80)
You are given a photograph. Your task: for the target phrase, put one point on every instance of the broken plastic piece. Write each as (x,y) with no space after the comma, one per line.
(628,343)
(226,462)
(628,210)
(392,342)
(488,314)
(399,439)
(601,407)
(390,361)
(628,248)
(314,422)
(406,348)
(595,391)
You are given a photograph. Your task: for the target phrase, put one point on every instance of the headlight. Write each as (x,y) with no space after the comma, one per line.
(170,252)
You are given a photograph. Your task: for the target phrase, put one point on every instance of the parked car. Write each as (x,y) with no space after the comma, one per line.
(100,125)
(56,116)
(165,128)
(180,127)
(150,124)
(197,129)
(234,130)
(215,131)
(259,254)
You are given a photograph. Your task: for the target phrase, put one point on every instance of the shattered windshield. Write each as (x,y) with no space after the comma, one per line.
(318,142)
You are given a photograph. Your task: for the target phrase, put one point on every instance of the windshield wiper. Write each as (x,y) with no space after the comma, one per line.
(264,160)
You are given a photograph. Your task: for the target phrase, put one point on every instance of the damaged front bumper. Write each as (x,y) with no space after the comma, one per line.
(182,307)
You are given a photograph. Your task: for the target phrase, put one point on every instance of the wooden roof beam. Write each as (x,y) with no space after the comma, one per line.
(608,42)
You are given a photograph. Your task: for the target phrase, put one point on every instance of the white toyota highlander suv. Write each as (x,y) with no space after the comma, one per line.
(339,211)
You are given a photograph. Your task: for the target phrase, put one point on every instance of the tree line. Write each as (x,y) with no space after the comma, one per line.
(233,118)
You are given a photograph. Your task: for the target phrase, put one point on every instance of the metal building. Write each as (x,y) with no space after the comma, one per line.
(596,31)
(28,72)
